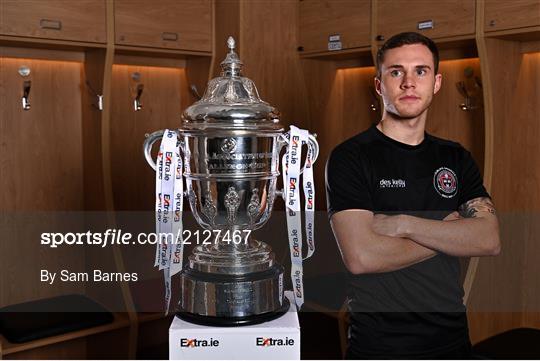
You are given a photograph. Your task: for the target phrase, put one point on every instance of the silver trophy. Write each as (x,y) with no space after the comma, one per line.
(231,142)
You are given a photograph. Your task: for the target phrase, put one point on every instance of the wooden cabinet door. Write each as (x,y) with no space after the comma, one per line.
(437,19)
(320,19)
(162,99)
(41,148)
(182,25)
(79,20)
(503,14)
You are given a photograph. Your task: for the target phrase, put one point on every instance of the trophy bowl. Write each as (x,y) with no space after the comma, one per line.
(230,141)
(231,180)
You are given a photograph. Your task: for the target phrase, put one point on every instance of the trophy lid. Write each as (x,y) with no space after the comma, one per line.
(231,101)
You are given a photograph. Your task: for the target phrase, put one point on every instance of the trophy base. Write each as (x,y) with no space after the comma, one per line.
(233,321)
(232,300)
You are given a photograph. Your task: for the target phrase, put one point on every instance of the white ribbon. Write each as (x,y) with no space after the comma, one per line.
(309,207)
(159,166)
(178,206)
(291,186)
(169,203)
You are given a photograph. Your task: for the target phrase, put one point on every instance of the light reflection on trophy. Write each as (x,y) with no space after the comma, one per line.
(231,142)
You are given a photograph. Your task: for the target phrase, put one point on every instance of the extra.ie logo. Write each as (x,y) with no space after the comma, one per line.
(292,190)
(266,342)
(193,342)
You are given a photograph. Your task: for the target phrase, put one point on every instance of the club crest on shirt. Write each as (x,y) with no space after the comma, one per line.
(445,182)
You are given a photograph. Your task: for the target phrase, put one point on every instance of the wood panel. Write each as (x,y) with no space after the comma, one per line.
(198,73)
(340,106)
(270,57)
(153,335)
(40,175)
(350,19)
(93,85)
(483,325)
(42,54)
(507,287)
(503,15)
(515,120)
(450,18)
(108,341)
(164,89)
(185,25)
(73,349)
(226,23)
(111,345)
(81,20)
(445,117)
(41,148)
(23,257)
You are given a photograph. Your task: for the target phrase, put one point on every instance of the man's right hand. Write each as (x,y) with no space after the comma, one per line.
(454,216)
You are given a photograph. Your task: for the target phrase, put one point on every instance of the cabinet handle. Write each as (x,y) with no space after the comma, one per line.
(50,24)
(492,23)
(169,36)
(379,37)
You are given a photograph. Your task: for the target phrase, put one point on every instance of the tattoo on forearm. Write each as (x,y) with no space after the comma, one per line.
(481,204)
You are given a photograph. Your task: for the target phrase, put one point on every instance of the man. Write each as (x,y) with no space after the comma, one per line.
(403,206)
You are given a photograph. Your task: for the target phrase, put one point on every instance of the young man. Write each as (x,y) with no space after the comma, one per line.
(404,205)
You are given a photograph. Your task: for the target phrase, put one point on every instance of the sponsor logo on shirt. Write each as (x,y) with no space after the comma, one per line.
(445,182)
(392,183)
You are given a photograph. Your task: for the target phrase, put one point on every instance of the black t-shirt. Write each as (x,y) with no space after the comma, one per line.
(417,309)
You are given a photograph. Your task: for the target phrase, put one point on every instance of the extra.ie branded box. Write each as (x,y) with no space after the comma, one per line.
(278,339)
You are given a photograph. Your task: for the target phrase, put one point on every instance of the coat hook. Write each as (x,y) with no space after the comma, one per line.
(195,92)
(468,104)
(99,97)
(26,93)
(470,89)
(25,71)
(137,105)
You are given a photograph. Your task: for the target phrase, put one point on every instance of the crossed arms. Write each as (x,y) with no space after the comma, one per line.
(377,243)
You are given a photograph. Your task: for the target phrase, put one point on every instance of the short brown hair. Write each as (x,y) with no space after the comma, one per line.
(407,38)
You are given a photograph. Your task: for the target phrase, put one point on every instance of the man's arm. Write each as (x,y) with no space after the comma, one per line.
(476,234)
(364,251)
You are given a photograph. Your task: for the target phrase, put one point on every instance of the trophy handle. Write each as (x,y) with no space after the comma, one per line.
(149,142)
(147,146)
(314,145)
(312,140)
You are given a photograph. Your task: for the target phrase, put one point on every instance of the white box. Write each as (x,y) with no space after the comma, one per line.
(278,339)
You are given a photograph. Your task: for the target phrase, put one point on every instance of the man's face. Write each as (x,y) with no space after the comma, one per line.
(408,80)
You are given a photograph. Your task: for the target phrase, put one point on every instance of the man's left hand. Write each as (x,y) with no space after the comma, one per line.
(389,225)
